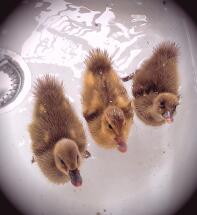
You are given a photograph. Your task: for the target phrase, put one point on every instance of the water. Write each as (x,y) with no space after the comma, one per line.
(55,37)
(74,30)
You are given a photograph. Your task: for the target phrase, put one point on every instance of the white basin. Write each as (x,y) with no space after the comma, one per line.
(158,173)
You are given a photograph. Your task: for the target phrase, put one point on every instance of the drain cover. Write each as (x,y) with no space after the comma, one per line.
(14,73)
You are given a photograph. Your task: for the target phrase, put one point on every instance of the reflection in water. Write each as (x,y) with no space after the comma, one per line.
(63,36)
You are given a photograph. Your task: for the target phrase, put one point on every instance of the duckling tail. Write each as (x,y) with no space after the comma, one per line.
(49,90)
(127,78)
(98,61)
(165,51)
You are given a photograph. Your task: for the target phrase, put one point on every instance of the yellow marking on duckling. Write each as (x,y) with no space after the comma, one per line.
(114,78)
(94,103)
(66,104)
(89,79)
(72,133)
(113,75)
(46,137)
(122,102)
(42,109)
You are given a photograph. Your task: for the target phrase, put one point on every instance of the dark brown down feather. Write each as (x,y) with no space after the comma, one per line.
(156,83)
(98,61)
(53,119)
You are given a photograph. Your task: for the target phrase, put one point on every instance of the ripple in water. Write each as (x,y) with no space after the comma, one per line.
(63,36)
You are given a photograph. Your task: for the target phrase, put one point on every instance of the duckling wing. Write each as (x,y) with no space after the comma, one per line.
(50,119)
(92,102)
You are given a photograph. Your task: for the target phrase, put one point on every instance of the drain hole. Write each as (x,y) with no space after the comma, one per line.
(11,82)
(13,72)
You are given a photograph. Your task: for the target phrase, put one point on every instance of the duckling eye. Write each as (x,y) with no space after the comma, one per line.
(109,126)
(62,162)
(77,158)
(162,104)
(174,108)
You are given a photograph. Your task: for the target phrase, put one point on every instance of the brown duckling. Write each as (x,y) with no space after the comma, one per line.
(106,105)
(155,86)
(58,138)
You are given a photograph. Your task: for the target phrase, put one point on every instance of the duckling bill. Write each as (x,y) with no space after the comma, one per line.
(155,86)
(58,138)
(106,105)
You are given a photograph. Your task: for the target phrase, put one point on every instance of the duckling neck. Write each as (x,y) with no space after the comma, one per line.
(48,167)
(151,110)
(155,117)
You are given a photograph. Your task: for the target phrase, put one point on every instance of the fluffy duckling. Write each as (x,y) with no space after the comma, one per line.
(155,86)
(58,138)
(106,105)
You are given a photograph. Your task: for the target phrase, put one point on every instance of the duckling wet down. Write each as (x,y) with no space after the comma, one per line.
(58,138)
(97,107)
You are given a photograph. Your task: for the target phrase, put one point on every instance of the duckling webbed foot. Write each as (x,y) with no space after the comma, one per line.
(87,154)
(33,160)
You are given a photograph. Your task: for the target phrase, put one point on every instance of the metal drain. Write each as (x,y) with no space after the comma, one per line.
(14,73)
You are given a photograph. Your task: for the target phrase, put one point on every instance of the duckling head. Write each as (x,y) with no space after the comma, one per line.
(68,159)
(113,125)
(165,106)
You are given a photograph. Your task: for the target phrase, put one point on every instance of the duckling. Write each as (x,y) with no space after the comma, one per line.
(58,138)
(155,86)
(106,105)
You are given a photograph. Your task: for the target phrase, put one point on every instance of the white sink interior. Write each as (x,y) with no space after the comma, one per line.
(158,172)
